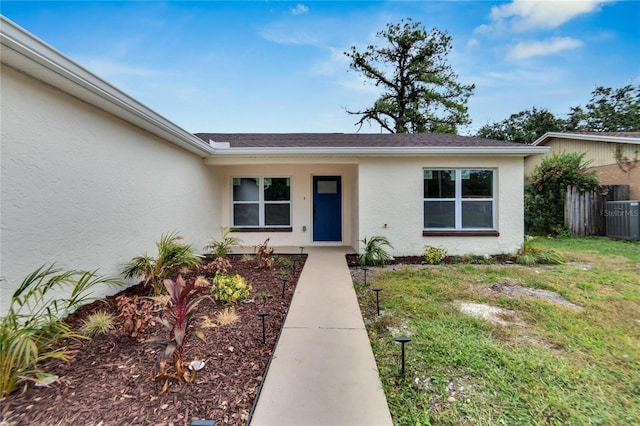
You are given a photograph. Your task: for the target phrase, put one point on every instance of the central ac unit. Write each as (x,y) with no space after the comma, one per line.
(623,220)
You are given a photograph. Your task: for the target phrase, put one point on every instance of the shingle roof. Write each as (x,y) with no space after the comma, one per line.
(616,134)
(350,140)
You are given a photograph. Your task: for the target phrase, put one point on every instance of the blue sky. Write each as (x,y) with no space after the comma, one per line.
(277,66)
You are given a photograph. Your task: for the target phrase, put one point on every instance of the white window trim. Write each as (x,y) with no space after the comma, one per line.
(458,200)
(261,202)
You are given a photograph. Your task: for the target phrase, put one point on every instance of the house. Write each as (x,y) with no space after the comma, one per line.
(614,156)
(91,177)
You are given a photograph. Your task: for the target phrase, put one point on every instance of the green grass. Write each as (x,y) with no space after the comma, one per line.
(549,365)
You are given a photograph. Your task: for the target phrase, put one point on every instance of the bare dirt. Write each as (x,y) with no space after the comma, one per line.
(109,381)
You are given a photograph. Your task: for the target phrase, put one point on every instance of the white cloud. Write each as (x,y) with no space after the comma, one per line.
(473,42)
(523,15)
(552,46)
(300,9)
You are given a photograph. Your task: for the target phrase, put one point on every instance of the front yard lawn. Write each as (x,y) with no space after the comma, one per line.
(490,346)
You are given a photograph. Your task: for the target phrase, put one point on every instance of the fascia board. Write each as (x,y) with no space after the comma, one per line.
(26,53)
(585,137)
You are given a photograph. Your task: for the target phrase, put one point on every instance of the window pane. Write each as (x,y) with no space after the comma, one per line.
(327,187)
(439,214)
(277,214)
(439,184)
(477,214)
(277,189)
(477,183)
(245,215)
(245,189)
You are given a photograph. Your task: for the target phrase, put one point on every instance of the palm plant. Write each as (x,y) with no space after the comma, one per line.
(172,254)
(223,247)
(34,323)
(374,252)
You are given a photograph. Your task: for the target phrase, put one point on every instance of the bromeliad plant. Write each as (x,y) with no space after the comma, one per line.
(181,300)
(374,253)
(33,328)
(172,255)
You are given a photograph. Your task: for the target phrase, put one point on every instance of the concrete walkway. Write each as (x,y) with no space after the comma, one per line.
(323,371)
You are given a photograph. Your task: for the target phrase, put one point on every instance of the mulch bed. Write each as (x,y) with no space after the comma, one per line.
(109,381)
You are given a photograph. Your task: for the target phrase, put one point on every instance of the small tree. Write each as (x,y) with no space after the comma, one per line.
(546,190)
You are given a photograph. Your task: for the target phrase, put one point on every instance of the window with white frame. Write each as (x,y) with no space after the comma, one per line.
(261,202)
(459,199)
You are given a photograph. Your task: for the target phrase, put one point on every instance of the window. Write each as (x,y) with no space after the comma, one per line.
(261,202)
(458,199)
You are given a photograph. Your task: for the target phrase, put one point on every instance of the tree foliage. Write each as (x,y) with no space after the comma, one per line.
(546,189)
(609,110)
(523,127)
(420,91)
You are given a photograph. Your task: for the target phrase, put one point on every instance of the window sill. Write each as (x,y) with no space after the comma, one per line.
(491,233)
(263,229)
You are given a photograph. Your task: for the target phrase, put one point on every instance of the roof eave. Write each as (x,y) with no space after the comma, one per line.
(310,152)
(30,55)
(584,136)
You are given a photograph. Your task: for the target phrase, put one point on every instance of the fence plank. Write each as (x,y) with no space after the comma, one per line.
(584,210)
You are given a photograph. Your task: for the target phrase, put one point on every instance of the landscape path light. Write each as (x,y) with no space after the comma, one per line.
(402,340)
(262,315)
(377,290)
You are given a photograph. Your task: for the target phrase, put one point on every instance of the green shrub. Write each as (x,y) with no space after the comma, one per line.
(97,323)
(33,327)
(230,288)
(434,255)
(285,263)
(222,247)
(172,255)
(546,190)
(374,253)
(531,255)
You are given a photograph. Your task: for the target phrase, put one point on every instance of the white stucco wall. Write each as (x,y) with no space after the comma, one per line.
(87,190)
(301,199)
(391,192)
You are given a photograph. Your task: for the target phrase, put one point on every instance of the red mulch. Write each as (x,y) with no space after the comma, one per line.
(109,381)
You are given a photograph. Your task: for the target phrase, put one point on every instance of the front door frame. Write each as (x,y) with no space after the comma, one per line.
(327,231)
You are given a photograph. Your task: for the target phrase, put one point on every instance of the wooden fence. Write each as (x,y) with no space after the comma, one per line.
(584,210)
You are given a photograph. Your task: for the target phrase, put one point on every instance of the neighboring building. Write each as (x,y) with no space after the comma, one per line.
(91,177)
(601,150)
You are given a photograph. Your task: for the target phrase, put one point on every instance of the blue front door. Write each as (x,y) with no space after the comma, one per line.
(327,208)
